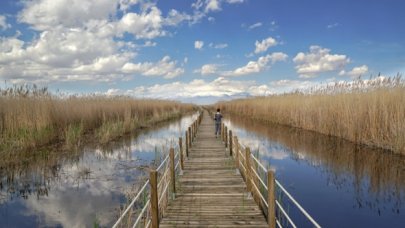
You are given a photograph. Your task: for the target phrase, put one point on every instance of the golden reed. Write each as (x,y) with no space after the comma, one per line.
(30,116)
(370,112)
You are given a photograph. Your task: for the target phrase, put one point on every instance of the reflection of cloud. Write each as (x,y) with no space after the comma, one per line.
(278,154)
(266,148)
(73,207)
(76,199)
(150,141)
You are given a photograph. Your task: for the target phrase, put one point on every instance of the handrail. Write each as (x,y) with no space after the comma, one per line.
(260,179)
(163,193)
(141,213)
(241,154)
(258,162)
(261,196)
(278,223)
(131,204)
(177,165)
(285,214)
(243,166)
(163,177)
(161,164)
(298,205)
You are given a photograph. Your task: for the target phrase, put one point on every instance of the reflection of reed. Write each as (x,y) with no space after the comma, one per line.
(30,173)
(25,173)
(370,170)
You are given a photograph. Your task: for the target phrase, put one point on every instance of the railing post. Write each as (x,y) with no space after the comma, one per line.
(236,152)
(248,170)
(189,137)
(181,153)
(222,132)
(226,137)
(187,144)
(230,143)
(271,211)
(195,127)
(172,174)
(154,198)
(192,131)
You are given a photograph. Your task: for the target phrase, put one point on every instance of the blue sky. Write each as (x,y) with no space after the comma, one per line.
(200,50)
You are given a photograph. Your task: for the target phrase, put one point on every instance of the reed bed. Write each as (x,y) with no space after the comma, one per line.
(370,112)
(31,116)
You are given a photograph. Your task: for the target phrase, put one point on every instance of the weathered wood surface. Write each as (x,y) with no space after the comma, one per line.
(210,193)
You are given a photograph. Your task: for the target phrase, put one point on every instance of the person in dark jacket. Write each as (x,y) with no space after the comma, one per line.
(218,119)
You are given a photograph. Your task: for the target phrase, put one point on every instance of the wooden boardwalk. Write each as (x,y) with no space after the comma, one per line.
(210,193)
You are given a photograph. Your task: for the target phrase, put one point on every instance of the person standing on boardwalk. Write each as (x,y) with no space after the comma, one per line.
(218,119)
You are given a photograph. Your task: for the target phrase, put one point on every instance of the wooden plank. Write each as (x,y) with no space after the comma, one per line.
(210,193)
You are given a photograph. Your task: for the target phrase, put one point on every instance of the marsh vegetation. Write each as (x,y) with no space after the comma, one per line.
(370,112)
(31,117)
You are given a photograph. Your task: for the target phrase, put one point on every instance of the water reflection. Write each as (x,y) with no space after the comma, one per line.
(79,188)
(332,177)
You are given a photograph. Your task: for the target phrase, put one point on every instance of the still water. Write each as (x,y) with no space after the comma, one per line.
(50,188)
(339,183)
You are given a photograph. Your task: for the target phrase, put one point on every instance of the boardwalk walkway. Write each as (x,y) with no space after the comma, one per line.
(210,193)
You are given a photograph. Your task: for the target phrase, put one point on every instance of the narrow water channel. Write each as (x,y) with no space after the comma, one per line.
(339,183)
(83,188)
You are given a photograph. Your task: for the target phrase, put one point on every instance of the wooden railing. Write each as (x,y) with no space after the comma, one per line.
(261,183)
(149,204)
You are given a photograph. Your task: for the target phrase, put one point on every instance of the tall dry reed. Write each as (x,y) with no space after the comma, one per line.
(30,116)
(370,112)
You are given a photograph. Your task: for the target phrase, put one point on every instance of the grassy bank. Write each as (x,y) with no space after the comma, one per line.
(369,112)
(31,117)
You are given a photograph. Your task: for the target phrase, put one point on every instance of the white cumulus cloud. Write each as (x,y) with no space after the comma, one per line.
(147,24)
(218,46)
(264,45)
(234,1)
(330,26)
(220,87)
(212,5)
(3,23)
(83,40)
(165,67)
(261,64)
(318,60)
(198,44)
(356,71)
(46,14)
(207,69)
(255,25)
